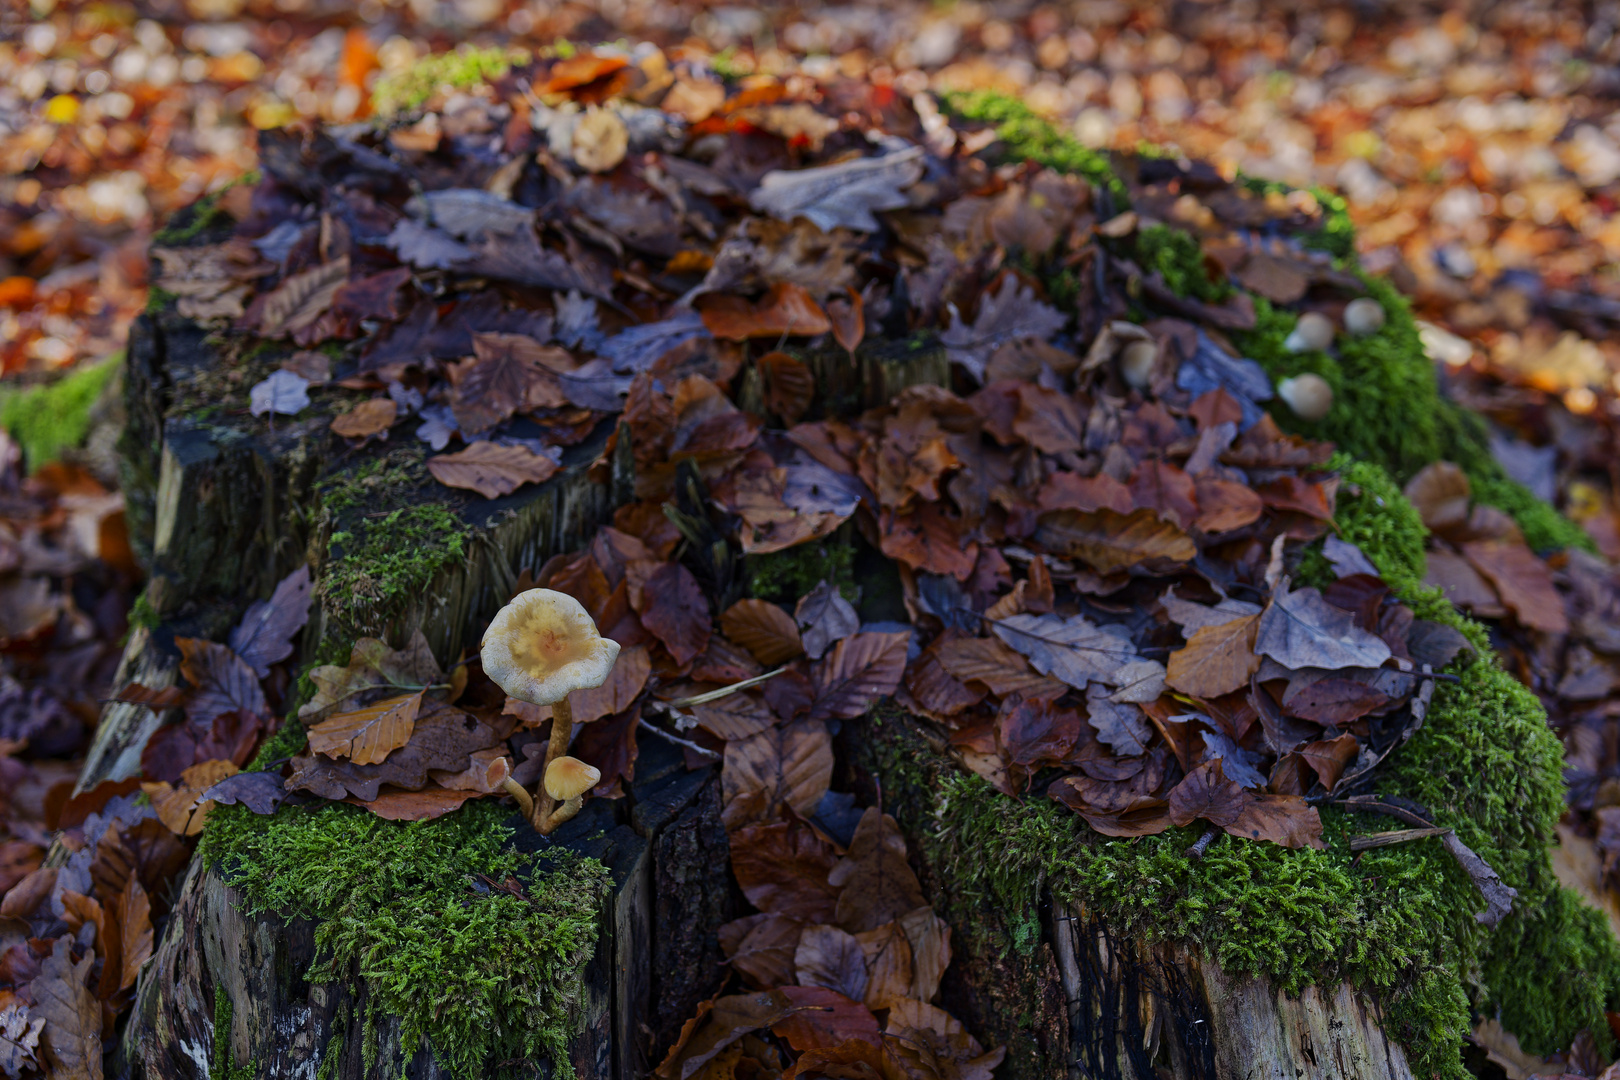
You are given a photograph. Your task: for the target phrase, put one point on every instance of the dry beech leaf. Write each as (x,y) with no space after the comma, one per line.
(761,947)
(222,680)
(1523,581)
(368,735)
(782,869)
(787,309)
(181,808)
(304,297)
(790,764)
(824,617)
(831,958)
(1441,494)
(1206,793)
(861,669)
(135,931)
(264,636)
(764,629)
(848,321)
(423,805)
(1107,541)
(790,388)
(1217,659)
(826,1019)
(1299,629)
(368,418)
(675,611)
(993,664)
(491,470)
(887,954)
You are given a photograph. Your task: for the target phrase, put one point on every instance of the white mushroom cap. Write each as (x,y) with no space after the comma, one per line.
(543,646)
(1308,395)
(569,778)
(1136,363)
(1313,333)
(1364,316)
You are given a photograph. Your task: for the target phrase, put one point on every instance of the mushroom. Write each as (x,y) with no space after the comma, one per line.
(539,648)
(1363,316)
(567,780)
(1313,333)
(1308,395)
(1136,362)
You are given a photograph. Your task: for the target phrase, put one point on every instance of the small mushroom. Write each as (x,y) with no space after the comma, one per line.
(1313,333)
(567,780)
(1308,395)
(539,648)
(1136,362)
(1363,316)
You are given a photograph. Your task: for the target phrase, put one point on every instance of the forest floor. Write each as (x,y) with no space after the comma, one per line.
(1478,151)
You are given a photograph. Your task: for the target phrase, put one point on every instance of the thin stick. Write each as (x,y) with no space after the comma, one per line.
(1201,845)
(562,729)
(678,741)
(724,691)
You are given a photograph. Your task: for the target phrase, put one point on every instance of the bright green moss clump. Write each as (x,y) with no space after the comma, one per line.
(54,417)
(1025,135)
(463,69)
(1176,256)
(488,979)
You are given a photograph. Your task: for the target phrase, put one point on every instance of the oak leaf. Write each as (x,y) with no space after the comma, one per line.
(62,996)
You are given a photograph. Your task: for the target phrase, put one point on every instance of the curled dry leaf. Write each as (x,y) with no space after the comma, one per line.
(182,808)
(368,735)
(491,470)
(786,310)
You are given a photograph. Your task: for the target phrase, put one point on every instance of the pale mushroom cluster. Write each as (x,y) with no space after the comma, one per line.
(539,648)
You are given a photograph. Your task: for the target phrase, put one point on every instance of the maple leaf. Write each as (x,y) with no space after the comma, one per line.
(845,194)
(491,470)
(1011,313)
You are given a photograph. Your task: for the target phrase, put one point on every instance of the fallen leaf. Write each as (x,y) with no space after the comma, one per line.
(825,1019)
(1441,494)
(491,470)
(223,681)
(1217,659)
(371,417)
(930,939)
(988,661)
(1107,541)
(786,310)
(782,869)
(824,617)
(831,958)
(280,392)
(790,387)
(301,299)
(1301,630)
(1207,793)
(264,636)
(445,738)
(718,1026)
(260,792)
(1121,725)
(887,955)
(62,997)
(182,808)
(1523,581)
(19,1039)
(1328,758)
(876,882)
(1010,313)
(764,629)
(675,611)
(368,735)
(842,195)
(134,912)
(508,373)
(422,805)
(1034,732)
(790,764)
(600,141)
(860,670)
(1072,650)
(762,948)
(1286,820)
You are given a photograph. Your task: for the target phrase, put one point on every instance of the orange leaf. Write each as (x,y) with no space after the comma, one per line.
(179,807)
(367,736)
(848,321)
(788,309)
(430,802)
(367,418)
(1107,541)
(1217,660)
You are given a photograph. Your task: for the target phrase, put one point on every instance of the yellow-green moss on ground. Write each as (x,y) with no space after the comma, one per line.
(53,417)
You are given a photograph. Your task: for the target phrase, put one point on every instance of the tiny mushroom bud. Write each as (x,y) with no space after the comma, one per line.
(1313,333)
(1364,316)
(567,780)
(1136,362)
(1308,395)
(539,648)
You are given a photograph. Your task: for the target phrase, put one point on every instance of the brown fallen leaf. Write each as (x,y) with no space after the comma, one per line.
(1217,659)
(887,953)
(675,610)
(782,869)
(134,913)
(181,808)
(445,738)
(831,958)
(301,299)
(761,948)
(1287,820)
(491,470)
(1107,541)
(790,764)
(790,388)
(764,629)
(988,662)
(925,1037)
(719,1025)
(786,310)
(848,319)
(222,680)
(1523,581)
(861,669)
(877,883)
(368,418)
(62,996)
(423,805)
(1441,493)
(826,1019)
(508,373)
(366,736)
(930,940)
(1207,793)
(624,685)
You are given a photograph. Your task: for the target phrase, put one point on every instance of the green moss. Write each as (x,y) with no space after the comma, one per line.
(1025,135)
(222,1066)
(1396,921)
(1177,257)
(54,417)
(782,577)
(1337,233)
(463,69)
(489,979)
(157,299)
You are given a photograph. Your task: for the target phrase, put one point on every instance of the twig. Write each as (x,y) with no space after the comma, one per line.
(1399,836)
(724,691)
(678,741)
(1201,845)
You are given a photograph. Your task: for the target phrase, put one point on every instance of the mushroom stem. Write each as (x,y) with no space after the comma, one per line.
(562,730)
(515,789)
(563,813)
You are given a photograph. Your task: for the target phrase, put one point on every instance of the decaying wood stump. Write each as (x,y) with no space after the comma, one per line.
(226,507)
